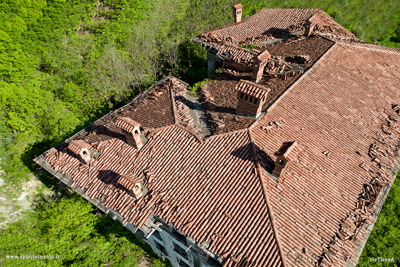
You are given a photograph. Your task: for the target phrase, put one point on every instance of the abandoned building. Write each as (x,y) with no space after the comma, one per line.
(284,159)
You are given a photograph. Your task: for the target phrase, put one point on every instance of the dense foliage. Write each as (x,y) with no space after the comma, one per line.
(70,231)
(64,63)
(384,239)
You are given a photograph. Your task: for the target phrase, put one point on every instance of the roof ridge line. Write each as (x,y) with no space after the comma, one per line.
(195,135)
(173,104)
(375,48)
(264,187)
(226,133)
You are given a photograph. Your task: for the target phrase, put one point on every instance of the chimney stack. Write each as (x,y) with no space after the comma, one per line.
(251,98)
(259,62)
(286,153)
(237,12)
(131,130)
(309,25)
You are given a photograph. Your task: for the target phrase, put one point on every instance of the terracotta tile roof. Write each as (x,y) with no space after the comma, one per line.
(220,98)
(289,150)
(126,124)
(238,6)
(252,89)
(151,109)
(335,113)
(236,53)
(133,179)
(325,24)
(343,113)
(80,144)
(264,56)
(187,192)
(260,24)
(356,43)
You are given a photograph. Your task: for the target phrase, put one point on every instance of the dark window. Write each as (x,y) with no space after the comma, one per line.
(140,234)
(136,132)
(280,162)
(245,97)
(157,235)
(239,12)
(255,101)
(161,248)
(182,263)
(241,95)
(250,99)
(180,251)
(179,237)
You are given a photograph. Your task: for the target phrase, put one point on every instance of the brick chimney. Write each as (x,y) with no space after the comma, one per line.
(237,12)
(260,62)
(81,149)
(136,188)
(131,130)
(309,25)
(251,97)
(285,154)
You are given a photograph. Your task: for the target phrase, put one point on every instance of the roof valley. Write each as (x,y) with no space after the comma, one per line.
(264,185)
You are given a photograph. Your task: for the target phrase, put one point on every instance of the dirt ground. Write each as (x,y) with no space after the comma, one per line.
(14,202)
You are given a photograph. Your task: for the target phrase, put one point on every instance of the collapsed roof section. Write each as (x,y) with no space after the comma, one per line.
(219,190)
(269,24)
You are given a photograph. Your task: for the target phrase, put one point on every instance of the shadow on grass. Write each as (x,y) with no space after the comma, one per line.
(107,226)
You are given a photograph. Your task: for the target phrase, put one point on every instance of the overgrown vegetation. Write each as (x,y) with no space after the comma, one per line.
(64,63)
(71,231)
(384,239)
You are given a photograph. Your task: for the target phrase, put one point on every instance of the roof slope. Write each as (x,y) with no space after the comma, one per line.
(261,23)
(208,190)
(337,110)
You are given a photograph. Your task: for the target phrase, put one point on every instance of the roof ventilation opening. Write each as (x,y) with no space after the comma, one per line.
(237,12)
(81,149)
(286,153)
(251,98)
(131,130)
(260,62)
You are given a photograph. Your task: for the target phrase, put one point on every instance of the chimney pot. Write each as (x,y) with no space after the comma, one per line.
(237,12)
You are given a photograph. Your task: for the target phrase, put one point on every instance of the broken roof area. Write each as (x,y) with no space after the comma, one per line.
(341,114)
(207,189)
(159,106)
(289,60)
(268,24)
(325,25)
(219,97)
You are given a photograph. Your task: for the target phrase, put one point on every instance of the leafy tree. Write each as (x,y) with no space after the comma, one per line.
(69,229)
